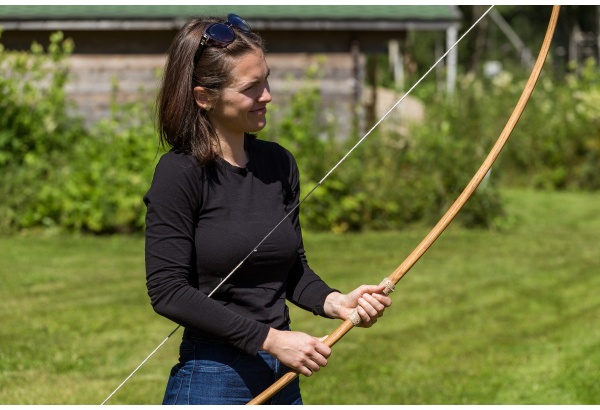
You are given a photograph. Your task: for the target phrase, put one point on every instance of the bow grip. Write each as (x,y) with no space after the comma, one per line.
(389,288)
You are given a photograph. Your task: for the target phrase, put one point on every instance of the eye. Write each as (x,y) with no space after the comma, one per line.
(255,86)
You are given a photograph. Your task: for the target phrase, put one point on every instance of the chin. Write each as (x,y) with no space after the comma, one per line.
(257,127)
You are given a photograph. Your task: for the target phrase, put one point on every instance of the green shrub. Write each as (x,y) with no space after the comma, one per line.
(36,131)
(54,172)
(110,172)
(390,180)
(556,144)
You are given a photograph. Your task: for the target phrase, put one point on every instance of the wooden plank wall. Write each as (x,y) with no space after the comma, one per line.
(96,78)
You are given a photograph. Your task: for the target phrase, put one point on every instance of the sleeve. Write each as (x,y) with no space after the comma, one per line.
(173,203)
(304,288)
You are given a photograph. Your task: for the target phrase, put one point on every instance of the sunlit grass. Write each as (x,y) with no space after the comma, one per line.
(507,317)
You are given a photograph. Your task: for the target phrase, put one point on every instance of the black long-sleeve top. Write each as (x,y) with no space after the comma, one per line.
(202,221)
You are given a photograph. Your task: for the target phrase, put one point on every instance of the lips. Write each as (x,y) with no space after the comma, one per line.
(262,110)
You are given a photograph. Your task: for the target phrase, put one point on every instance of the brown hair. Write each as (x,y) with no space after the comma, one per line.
(182,124)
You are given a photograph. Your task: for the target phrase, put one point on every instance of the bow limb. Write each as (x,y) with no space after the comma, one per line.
(437,230)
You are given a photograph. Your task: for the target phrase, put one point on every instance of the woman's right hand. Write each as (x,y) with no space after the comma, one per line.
(303,353)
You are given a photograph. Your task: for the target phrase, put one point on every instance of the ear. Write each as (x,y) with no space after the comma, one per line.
(202,98)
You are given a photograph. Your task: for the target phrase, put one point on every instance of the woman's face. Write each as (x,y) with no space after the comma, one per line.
(241,106)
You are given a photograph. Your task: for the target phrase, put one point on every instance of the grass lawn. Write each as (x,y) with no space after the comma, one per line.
(484,317)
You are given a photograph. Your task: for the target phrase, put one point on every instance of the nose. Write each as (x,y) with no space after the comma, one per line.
(265,96)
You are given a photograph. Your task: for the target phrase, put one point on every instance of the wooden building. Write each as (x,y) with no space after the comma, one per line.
(127,45)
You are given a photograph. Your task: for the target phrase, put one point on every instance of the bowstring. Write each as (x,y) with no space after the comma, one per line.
(255,249)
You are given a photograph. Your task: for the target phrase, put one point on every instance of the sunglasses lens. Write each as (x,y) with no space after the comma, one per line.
(221,32)
(238,22)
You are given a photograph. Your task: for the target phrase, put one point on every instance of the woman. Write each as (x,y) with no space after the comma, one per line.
(214,197)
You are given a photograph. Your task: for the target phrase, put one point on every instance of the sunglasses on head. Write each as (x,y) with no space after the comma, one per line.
(221,34)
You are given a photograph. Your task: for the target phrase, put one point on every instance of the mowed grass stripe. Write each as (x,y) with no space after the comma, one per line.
(506,317)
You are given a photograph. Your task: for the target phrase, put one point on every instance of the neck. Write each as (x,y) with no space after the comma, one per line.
(233,150)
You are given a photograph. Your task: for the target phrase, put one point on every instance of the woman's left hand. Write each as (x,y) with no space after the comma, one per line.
(368,300)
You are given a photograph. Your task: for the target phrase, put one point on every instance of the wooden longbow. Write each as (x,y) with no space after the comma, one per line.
(437,230)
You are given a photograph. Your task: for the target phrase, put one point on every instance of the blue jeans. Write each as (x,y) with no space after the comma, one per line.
(211,372)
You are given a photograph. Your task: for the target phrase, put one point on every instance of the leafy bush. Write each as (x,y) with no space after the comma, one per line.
(54,172)
(109,173)
(390,180)
(36,131)
(556,144)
